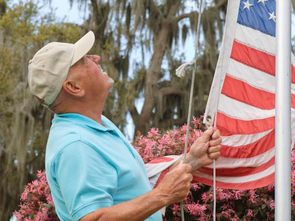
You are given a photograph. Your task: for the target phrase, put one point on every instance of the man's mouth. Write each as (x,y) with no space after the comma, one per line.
(100,68)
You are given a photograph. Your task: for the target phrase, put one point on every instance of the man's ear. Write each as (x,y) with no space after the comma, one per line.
(73,88)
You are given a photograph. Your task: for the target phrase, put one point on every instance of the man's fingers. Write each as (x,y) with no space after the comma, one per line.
(216,134)
(185,168)
(214,149)
(214,156)
(207,134)
(215,142)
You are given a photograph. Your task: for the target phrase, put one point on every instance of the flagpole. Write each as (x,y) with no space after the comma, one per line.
(283,112)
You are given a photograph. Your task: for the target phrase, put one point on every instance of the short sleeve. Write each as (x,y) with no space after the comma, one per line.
(86,180)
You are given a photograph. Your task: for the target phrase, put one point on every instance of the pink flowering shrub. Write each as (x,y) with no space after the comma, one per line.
(232,205)
(36,201)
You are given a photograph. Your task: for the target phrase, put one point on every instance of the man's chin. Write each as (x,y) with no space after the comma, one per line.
(110,81)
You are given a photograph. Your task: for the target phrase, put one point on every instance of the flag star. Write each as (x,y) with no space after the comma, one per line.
(272,16)
(247,5)
(262,1)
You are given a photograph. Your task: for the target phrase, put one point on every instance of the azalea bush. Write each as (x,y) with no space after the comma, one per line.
(36,201)
(233,205)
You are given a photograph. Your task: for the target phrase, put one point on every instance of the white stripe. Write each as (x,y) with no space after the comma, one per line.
(226,162)
(255,39)
(242,179)
(240,140)
(253,77)
(258,40)
(239,110)
(152,169)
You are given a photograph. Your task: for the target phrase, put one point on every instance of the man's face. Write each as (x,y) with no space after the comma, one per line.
(95,81)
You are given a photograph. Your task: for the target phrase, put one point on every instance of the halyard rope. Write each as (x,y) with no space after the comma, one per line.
(180,72)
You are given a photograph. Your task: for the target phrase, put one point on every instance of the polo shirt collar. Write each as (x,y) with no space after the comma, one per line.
(82,119)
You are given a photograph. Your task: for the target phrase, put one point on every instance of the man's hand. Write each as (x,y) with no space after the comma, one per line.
(205,149)
(175,185)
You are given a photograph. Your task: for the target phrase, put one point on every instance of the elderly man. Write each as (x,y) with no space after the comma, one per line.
(93,172)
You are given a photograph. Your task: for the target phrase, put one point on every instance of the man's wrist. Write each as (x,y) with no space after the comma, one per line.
(162,198)
(191,160)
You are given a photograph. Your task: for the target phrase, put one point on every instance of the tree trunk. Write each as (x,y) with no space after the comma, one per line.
(150,90)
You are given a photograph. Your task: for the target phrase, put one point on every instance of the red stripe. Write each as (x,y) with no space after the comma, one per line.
(235,126)
(243,92)
(250,150)
(161,160)
(239,171)
(265,181)
(257,59)
(164,172)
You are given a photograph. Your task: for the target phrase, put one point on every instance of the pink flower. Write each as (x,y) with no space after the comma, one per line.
(250,213)
(196,209)
(272,204)
(195,186)
(175,207)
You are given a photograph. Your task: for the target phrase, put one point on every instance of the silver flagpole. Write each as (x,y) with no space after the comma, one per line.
(283,112)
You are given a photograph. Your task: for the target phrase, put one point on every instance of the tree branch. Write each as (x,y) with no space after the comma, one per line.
(155,8)
(95,15)
(187,15)
(134,113)
(182,16)
(170,90)
(178,122)
(221,4)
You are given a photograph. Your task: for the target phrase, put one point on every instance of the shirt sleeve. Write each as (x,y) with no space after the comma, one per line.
(86,180)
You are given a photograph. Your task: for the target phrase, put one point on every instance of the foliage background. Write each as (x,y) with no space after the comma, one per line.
(155,28)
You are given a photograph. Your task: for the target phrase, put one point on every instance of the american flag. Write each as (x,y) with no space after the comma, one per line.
(244,90)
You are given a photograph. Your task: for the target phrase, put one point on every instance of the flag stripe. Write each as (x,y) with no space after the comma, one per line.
(239,110)
(245,93)
(250,150)
(253,58)
(256,39)
(236,126)
(227,162)
(239,171)
(238,179)
(264,181)
(257,59)
(239,140)
(254,77)
(161,160)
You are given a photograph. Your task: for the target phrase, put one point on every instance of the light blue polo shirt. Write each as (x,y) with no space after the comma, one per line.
(89,166)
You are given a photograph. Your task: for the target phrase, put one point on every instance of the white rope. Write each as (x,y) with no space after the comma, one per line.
(180,72)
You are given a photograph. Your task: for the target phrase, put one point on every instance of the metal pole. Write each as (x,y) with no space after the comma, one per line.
(283,112)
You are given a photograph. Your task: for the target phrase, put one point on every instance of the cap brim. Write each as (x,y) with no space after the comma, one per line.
(82,46)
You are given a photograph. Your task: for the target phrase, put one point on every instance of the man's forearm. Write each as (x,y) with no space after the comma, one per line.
(137,209)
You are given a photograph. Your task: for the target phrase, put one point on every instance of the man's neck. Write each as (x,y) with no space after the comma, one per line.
(92,111)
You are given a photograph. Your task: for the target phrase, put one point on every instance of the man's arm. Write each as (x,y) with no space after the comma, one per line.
(173,188)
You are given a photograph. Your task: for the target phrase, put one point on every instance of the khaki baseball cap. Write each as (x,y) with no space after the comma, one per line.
(50,66)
